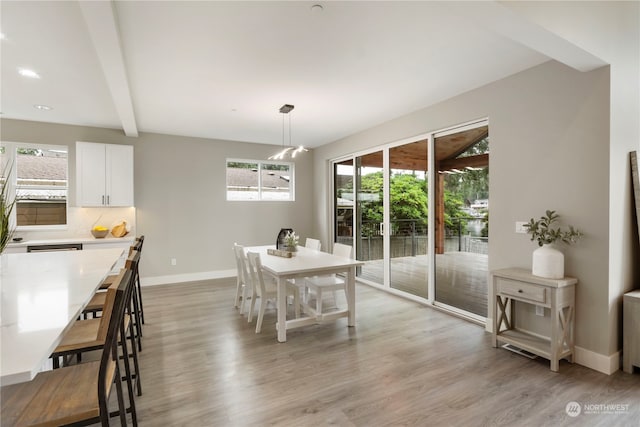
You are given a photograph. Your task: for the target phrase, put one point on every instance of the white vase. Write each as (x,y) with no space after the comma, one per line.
(548,262)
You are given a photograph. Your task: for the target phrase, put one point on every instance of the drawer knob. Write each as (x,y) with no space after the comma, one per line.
(520,291)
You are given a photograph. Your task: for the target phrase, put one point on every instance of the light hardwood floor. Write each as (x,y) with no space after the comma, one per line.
(402,365)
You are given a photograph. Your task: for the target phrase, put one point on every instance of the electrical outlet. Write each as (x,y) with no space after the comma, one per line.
(520,227)
(539,310)
(174,261)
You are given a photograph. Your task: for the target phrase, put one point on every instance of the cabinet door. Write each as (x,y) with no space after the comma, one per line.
(119,175)
(90,174)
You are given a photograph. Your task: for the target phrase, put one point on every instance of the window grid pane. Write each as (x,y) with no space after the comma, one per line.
(256,180)
(41,184)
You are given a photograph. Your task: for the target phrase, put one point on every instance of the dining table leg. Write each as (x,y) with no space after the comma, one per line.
(282,310)
(351,296)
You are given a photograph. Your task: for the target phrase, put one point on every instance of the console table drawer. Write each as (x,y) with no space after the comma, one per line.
(521,290)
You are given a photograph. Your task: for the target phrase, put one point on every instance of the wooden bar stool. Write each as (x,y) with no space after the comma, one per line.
(89,335)
(96,303)
(137,245)
(77,394)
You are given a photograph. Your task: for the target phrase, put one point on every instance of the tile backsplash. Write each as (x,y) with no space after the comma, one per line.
(80,221)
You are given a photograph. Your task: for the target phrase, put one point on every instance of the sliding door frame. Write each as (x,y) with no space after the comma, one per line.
(431,175)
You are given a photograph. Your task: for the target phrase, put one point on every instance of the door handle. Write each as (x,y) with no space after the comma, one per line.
(381,228)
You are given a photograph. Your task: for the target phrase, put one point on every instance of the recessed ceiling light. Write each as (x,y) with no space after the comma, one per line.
(25,72)
(317,8)
(42,107)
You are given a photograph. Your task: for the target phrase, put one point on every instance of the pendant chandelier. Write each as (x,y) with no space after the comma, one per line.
(288,151)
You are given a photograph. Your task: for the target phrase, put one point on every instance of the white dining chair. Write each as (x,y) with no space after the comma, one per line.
(243,284)
(320,284)
(312,244)
(266,290)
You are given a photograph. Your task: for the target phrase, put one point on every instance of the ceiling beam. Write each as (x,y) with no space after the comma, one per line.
(100,17)
(506,22)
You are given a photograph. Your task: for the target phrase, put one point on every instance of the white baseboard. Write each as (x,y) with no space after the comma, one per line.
(189,277)
(488,326)
(596,361)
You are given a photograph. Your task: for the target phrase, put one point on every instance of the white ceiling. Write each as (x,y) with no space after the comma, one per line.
(222,69)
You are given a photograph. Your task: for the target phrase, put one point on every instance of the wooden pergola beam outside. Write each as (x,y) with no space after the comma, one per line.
(478,161)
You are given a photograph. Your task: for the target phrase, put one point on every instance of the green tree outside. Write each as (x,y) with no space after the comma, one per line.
(409,200)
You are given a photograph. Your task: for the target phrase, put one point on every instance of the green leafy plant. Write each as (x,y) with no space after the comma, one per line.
(542,230)
(291,239)
(6,207)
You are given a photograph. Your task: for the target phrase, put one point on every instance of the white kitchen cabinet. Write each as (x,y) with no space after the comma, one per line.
(104,174)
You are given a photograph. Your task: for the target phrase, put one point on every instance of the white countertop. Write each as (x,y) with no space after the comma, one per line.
(83,239)
(41,295)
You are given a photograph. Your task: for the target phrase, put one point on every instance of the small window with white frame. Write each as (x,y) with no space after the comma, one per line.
(38,178)
(260,180)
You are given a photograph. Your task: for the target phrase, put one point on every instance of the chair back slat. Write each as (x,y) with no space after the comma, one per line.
(342,250)
(312,244)
(108,306)
(241,263)
(139,242)
(109,369)
(134,257)
(255,273)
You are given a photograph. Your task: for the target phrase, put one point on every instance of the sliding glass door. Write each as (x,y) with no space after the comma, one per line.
(408,207)
(343,179)
(369,216)
(384,201)
(461,219)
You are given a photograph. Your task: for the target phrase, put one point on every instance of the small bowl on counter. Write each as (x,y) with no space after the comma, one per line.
(99,234)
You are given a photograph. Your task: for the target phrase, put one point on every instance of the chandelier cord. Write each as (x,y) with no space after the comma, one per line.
(288,150)
(289,130)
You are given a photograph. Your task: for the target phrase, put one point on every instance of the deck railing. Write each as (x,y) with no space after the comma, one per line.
(409,238)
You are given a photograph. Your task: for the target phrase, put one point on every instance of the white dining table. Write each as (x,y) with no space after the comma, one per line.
(305,263)
(42,294)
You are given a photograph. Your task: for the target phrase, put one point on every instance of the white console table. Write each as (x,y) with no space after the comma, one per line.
(631,331)
(514,286)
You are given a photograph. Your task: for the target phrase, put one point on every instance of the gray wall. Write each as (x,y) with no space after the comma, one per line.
(549,130)
(180,196)
(609,30)
(181,206)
